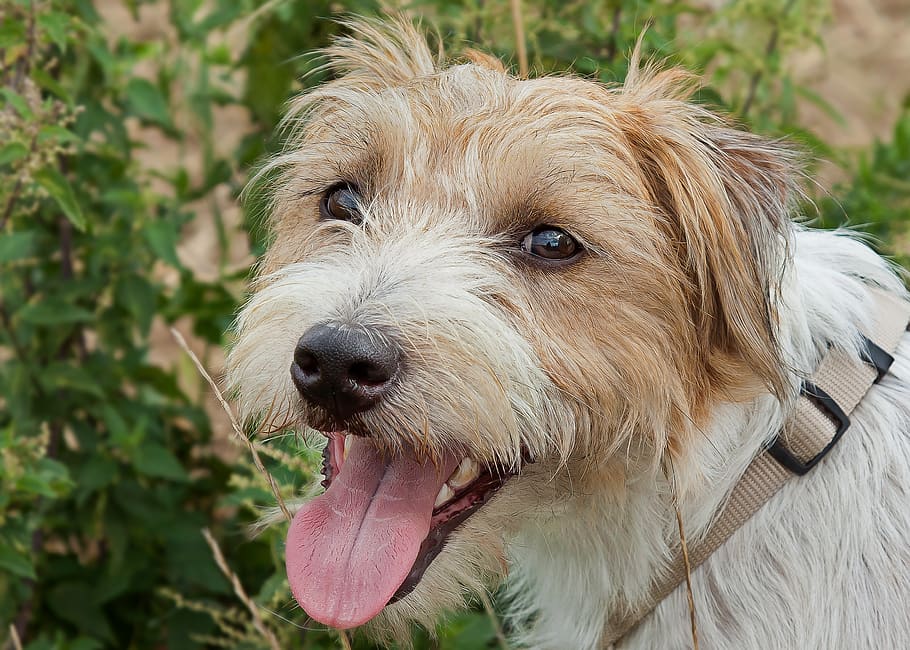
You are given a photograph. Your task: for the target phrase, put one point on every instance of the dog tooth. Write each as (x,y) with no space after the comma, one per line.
(445,493)
(467,471)
(348,440)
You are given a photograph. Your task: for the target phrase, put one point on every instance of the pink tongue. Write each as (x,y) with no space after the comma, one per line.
(349,550)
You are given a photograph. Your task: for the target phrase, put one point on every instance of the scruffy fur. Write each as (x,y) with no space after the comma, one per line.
(654,367)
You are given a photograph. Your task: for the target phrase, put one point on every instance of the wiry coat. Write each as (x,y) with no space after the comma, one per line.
(673,348)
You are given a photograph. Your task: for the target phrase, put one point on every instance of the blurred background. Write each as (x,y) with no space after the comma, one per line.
(127,132)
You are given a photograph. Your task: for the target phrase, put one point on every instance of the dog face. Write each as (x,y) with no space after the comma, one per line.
(494,294)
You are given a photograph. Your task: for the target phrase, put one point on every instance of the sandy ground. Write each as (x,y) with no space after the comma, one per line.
(862,70)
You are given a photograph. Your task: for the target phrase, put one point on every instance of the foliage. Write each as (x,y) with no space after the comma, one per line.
(107,473)
(877,197)
(109,468)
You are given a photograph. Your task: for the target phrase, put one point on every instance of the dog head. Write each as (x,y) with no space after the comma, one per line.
(478,285)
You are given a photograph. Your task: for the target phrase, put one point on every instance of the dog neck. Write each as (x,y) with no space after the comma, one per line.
(624,531)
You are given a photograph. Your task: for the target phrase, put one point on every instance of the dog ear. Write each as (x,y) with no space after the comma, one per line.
(484,60)
(725,196)
(381,53)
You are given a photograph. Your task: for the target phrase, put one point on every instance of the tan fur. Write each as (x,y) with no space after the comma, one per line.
(600,367)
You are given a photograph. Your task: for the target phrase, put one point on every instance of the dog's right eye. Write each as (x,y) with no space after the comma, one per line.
(549,243)
(340,202)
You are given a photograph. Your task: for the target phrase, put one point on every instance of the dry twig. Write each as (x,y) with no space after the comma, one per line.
(685,552)
(234,424)
(258,623)
(488,607)
(520,45)
(14,637)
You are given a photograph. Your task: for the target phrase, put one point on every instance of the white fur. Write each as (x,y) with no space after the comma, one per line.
(825,564)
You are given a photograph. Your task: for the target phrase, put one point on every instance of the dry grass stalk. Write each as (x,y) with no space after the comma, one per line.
(258,623)
(488,607)
(234,424)
(520,45)
(685,552)
(14,637)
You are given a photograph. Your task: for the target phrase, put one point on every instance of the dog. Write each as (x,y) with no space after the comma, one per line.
(536,319)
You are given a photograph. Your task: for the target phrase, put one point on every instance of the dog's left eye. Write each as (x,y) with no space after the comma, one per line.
(550,243)
(340,202)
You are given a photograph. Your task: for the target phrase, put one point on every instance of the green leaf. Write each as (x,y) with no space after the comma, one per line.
(12,33)
(162,238)
(48,83)
(54,311)
(470,631)
(111,584)
(41,642)
(12,152)
(61,191)
(103,56)
(85,643)
(56,25)
(16,563)
(49,477)
(155,460)
(58,133)
(823,104)
(95,473)
(118,429)
(15,100)
(138,296)
(188,630)
(146,101)
(245,496)
(34,484)
(68,377)
(17,246)
(75,602)
(189,558)
(219,54)
(276,584)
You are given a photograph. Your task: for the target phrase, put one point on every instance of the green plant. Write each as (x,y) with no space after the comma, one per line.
(110,466)
(876,198)
(106,476)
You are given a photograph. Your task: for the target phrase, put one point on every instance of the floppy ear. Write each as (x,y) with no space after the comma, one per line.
(725,197)
(484,60)
(381,53)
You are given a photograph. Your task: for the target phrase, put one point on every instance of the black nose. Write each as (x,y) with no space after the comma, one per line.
(343,370)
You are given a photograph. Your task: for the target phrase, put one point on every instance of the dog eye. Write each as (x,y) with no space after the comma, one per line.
(550,243)
(340,202)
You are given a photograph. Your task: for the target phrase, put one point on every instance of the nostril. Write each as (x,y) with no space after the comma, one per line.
(307,362)
(368,373)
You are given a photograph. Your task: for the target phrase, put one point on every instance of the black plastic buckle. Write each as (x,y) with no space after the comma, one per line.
(877,357)
(827,405)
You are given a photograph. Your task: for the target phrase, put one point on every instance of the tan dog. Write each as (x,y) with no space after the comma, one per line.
(517,308)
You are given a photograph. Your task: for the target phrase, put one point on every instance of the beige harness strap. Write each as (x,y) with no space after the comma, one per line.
(813,428)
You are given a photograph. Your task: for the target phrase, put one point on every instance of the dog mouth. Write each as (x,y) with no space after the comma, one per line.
(367,541)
